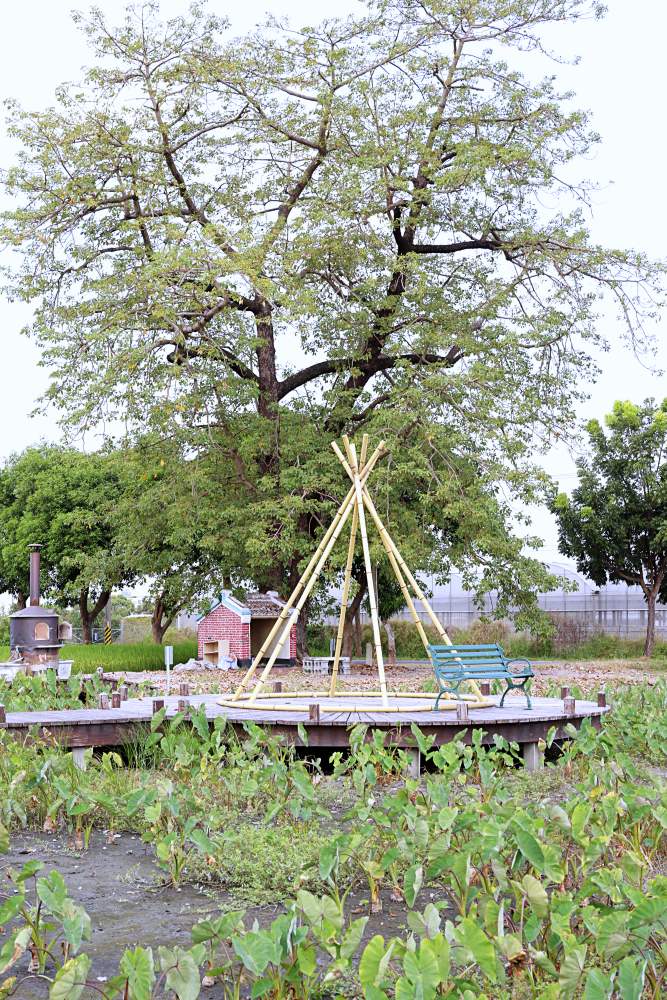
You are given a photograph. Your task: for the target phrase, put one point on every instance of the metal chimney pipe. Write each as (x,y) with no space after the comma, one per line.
(35,560)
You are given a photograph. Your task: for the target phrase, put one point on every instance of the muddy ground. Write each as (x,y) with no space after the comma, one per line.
(123,891)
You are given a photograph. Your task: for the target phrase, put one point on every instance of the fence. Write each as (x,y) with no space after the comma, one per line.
(625,621)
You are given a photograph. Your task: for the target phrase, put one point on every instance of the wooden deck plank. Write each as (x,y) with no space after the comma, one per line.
(114,727)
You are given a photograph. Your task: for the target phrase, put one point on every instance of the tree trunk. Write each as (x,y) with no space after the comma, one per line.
(160,620)
(158,629)
(351,641)
(391,643)
(89,614)
(301,634)
(649,642)
(21,601)
(275,572)
(358,636)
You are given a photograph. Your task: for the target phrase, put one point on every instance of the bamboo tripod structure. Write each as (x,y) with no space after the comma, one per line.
(356,504)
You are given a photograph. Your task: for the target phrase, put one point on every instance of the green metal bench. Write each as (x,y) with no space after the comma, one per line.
(452,665)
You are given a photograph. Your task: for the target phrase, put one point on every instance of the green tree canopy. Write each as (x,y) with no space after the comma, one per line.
(615,523)
(258,243)
(163,530)
(63,499)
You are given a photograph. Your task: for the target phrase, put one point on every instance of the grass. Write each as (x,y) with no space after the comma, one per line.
(122,656)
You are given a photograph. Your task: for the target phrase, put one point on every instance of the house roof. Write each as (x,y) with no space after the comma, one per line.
(254,605)
(264,605)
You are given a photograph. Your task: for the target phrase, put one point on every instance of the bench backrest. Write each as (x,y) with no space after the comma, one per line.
(473,660)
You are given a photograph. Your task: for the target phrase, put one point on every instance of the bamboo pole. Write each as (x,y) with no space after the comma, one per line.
(386,542)
(407,596)
(347,580)
(344,600)
(285,611)
(393,549)
(369,576)
(306,590)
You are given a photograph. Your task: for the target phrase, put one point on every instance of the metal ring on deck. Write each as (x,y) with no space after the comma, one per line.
(336,703)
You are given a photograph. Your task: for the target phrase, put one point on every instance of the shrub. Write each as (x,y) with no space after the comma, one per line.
(259,864)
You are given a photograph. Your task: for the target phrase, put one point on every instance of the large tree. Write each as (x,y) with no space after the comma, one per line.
(615,522)
(63,499)
(258,243)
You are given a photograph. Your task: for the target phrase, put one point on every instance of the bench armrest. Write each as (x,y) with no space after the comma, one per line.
(520,659)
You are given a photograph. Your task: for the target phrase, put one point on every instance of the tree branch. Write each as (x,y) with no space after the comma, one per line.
(366,367)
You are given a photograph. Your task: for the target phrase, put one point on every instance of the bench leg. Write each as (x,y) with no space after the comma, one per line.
(517,687)
(79,758)
(533,758)
(414,762)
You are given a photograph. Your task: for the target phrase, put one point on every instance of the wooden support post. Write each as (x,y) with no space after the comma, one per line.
(79,757)
(184,689)
(183,705)
(533,758)
(462,713)
(104,700)
(123,692)
(277,687)
(314,713)
(569,705)
(158,705)
(114,684)
(115,699)
(485,688)
(3,716)
(602,699)
(414,762)
(564,693)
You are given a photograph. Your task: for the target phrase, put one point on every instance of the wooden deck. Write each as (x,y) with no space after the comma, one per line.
(77,729)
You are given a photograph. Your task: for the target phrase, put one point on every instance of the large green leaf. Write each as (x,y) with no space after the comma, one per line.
(599,986)
(412,883)
(374,961)
(472,937)
(530,848)
(631,975)
(536,894)
(138,968)
(70,980)
(572,970)
(182,973)
(353,936)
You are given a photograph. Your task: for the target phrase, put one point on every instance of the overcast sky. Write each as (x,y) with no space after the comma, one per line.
(620,78)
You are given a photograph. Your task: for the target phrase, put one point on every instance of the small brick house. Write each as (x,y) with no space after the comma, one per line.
(244,626)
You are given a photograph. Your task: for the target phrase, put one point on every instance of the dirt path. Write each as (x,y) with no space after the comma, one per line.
(591,675)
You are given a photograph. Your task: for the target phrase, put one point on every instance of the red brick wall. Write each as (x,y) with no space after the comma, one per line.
(221,623)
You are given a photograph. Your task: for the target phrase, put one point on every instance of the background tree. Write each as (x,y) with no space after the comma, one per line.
(63,499)
(121,606)
(615,523)
(257,243)
(162,531)
(390,602)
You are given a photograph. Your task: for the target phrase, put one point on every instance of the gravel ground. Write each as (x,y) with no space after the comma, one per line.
(591,675)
